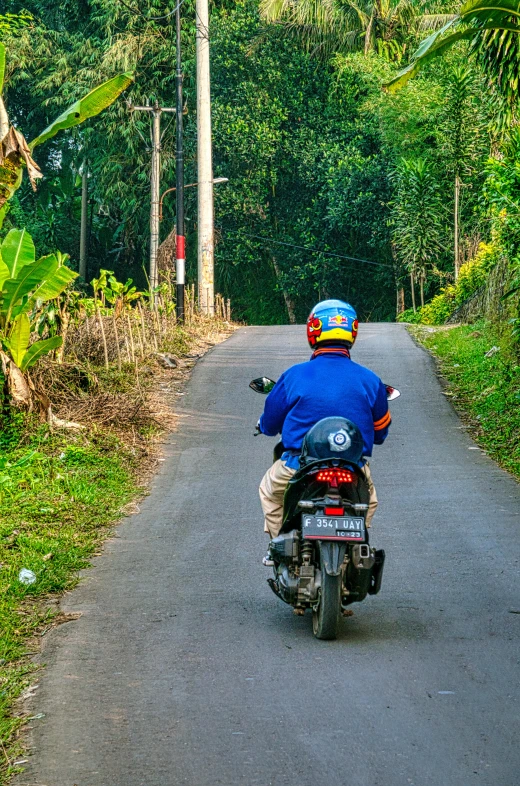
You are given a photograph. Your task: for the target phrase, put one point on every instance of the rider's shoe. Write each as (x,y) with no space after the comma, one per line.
(267,561)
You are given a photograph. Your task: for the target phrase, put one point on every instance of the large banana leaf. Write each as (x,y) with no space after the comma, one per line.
(431,40)
(3,213)
(475,17)
(436,49)
(88,106)
(431,47)
(38,349)
(19,337)
(4,273)
(28,280)
(505,8)
(52,286)
(17,251)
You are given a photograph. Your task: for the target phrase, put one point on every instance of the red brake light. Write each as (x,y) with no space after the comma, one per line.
(334,511)
(337,475)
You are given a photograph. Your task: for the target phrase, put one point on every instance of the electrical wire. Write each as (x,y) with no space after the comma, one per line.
(151,18)
(311,250)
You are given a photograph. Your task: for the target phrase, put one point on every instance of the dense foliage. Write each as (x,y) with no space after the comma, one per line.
(336,188)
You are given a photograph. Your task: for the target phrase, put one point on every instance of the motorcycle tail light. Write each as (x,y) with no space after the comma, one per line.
(334,511)
(335,475)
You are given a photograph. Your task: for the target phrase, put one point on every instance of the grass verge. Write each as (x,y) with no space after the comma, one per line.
(482,373)
(58,495)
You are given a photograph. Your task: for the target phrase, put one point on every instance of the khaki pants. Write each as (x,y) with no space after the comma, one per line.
(272,490)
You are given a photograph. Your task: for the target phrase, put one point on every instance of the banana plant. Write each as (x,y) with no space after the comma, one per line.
(26,283)
(15,151)
(110,290)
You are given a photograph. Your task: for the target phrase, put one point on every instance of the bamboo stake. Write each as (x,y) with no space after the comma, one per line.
(103,337)
(143,324)
(141,345)
(157,331)
(114,322)
(131,337)
(127,344)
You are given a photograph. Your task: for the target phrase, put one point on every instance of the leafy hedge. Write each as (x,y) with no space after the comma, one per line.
(472,275)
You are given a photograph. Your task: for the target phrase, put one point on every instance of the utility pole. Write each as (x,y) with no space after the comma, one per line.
(180,241)
(205,250)
(155,183)
(83,249)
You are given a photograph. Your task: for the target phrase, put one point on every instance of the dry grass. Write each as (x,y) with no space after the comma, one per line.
(135,391)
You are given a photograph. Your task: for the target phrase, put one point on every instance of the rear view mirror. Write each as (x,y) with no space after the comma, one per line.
(392,393)
(262,385)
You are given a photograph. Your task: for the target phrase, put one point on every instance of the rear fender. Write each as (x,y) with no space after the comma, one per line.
(301,486)
(332,555)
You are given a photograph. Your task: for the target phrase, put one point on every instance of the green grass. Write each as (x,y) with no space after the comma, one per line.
(485,390)
(58,494)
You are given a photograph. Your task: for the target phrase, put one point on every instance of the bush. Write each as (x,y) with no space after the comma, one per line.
(472,275)
(410,316)
(437,311)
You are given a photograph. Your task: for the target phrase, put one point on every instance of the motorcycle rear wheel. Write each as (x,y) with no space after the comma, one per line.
(325,620)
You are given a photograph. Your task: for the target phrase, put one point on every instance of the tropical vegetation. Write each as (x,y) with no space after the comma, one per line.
(372,153)
(321,161)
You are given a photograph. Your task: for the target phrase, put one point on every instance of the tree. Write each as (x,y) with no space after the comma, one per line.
(463,137)
(26,282)
(417,219)
(492,28)
(344,25)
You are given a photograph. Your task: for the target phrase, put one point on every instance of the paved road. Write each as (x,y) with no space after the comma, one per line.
(186,669)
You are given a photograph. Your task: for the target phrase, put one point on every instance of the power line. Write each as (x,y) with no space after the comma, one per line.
(312,250)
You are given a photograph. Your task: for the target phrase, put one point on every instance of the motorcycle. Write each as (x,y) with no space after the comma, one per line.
(322,557)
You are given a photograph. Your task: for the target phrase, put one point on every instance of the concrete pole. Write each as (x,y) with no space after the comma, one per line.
(205,166)
(83,248)
(180,239)
(155,189)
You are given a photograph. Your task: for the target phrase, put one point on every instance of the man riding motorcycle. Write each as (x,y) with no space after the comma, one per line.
(329,384)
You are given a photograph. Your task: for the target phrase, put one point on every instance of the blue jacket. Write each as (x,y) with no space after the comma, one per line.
(330,384)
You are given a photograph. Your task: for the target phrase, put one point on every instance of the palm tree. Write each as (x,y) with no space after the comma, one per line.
(330,26)
(492,28)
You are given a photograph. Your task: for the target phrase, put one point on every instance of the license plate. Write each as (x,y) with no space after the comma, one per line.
(324,527)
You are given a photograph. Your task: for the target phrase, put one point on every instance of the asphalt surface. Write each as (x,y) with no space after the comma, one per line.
(184,667)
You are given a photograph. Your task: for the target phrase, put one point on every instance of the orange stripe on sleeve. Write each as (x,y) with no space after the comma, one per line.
(383,422)
(385,417)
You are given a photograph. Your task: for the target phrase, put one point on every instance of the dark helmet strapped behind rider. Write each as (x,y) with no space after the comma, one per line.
(332,322)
